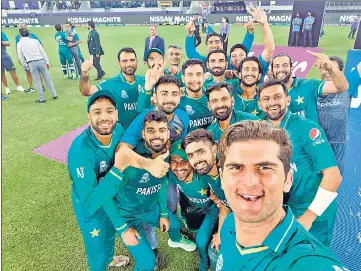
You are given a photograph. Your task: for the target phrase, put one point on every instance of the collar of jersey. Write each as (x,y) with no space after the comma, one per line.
(92,136)
(239,92)
(122,78)
(186,95)
(233,120)
(296,82)
(286,119)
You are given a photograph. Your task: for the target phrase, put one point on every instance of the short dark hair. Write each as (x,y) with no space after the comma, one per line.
(249,59)
(197,136)
(191,62)
(256,130)
(338,60)
(213,34)
(238,46)
(126,50)
(218,86)
(155,115)
(273,82)
(91,24)
(24,32)
(167,79)
(215,52)
(58,27)
(281,55)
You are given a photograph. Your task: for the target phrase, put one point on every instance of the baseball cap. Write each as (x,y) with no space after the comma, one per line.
(98,94)
(152,50)
(176,149)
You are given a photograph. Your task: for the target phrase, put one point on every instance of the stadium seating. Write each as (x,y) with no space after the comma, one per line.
(229,7)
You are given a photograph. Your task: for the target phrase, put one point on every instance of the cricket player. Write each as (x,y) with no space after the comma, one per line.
(65,55)
(333,111)
(125,86)
(245,95)
(304,92)
(199,213)
(142,198)
(221,103)
(261,233)
(316,174)
(27,70)
(8,65)
(96,173)
(174,58)
(76,36)
(73,46)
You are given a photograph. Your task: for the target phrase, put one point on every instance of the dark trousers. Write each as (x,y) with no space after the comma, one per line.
(294,38)
(352,33)
(197,39)
(96,63)
(225,43)
(307,35)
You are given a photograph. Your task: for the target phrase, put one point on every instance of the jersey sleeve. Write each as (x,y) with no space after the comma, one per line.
(318,263)
(105,84)
(82,172)
(162,198)
(185,119)
(317,87)
(144,98)
(248,41)
(37,38)
(264,66)
(191,50)
(4,37)
(354,81)
(317,147)
(133,134)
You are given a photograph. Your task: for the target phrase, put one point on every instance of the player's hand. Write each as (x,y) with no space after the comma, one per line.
(359,68)
(87,65)
(81,42)
(215,199)
(122,158)
(173,70)
(190,26)
(216,241)
(258,13)
(48,66)
(130,237)
(97,56)
(152,75)
(158,167)
(307,219)
(207,75)
(164,224)
(249,26)
(303,30)
(322,61)
(230,74)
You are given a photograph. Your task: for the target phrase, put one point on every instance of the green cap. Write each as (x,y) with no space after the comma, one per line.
(98,94)
(176,149)
(152,50)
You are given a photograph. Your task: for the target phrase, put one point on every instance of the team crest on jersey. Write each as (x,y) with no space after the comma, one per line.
(189,110)
(103,166)
(219,263)
(124,94)
(80,172)
(145,178)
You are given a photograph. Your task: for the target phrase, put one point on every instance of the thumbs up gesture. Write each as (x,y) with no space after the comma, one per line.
(87,65)
(158,167)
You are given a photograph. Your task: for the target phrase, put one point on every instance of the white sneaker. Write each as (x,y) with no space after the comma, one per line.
(20,88)
(65,76)
(7,90)
(185,244)
(73,76)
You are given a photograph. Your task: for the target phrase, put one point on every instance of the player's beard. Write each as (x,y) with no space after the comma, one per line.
(129,70)
(100,131)
(205,170)
(217,73)
(157,148)
(163,107)
(224,116)
(286,79)
(255,82)
(276,116)
(194,89)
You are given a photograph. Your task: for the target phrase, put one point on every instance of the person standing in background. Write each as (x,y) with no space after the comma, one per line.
(307,29)
(354,27)
(204,19)
(32,55)
(296,27)
(225,32)
(209,29)
(95,49)
(197,35)
(153,41)
(73,46)
(8,65)
(76,36)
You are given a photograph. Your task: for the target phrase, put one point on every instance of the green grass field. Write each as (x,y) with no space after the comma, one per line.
(39,231)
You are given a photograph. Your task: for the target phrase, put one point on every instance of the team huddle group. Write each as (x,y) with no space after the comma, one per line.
(244,159)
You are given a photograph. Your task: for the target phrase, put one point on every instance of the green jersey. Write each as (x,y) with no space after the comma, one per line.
(140,192)
(247,105)
(178,75)
(197,109)
(289,247)
(210,81)
(90,165)
(237,116)
(196,191)
(311,154)
(61,38)
(303,94)
(126,94)
(215,185)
